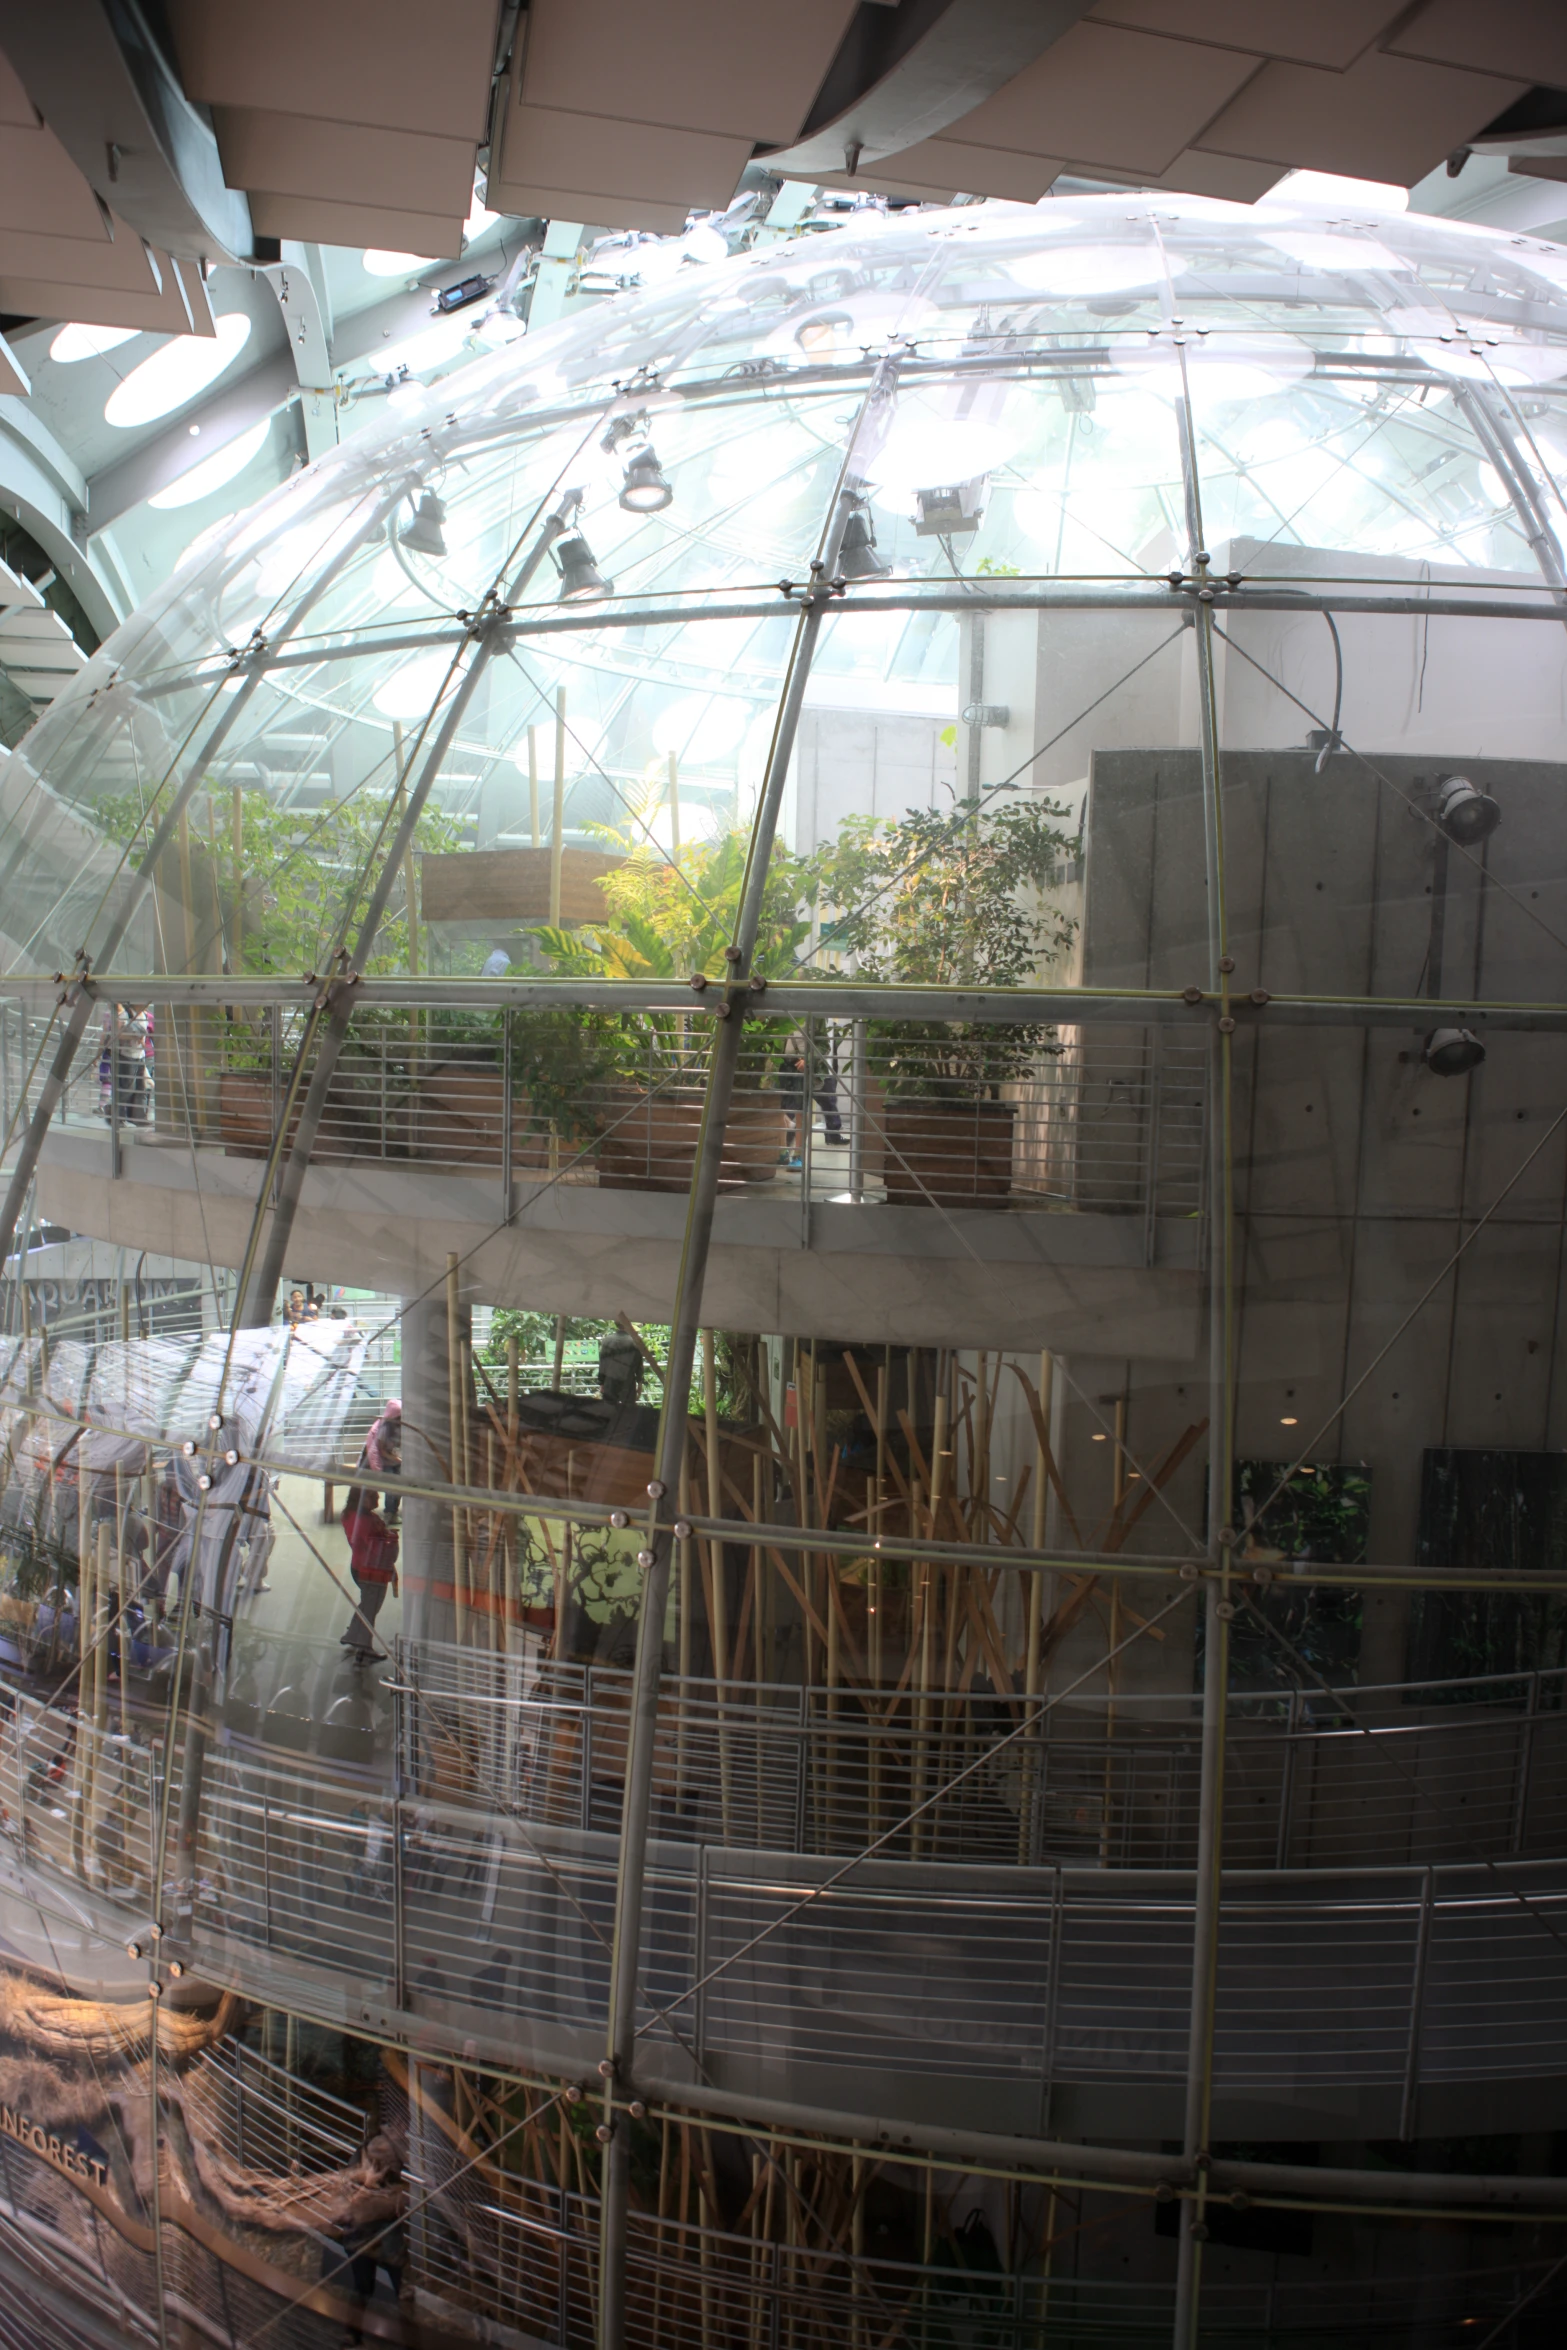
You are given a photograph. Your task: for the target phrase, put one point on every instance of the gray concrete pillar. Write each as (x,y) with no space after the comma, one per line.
(426,1565)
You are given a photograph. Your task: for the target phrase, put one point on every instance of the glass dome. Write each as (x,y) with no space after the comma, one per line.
(1059,409)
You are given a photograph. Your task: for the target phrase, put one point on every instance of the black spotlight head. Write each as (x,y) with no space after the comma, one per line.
(423,532)
(580,577)
(1466,816)
(857,556)
(645,489)
(1453,1052)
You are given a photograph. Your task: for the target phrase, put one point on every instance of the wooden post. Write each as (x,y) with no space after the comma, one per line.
(557,1372)
(715,1548)
(557,826)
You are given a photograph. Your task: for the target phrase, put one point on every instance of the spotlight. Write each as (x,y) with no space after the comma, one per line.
(645,489)
(950,512)
(857,556)
(1465,815)
(424,534)
(1453,1052)
(580,576)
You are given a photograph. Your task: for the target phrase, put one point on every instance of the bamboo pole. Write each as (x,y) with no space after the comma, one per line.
(454,1439)
(683,1551)
(510,1564)
(119,1581)
(237,851)
(1117,1502)
(533,785)
(1036,1598)
(557,826)
(410,893)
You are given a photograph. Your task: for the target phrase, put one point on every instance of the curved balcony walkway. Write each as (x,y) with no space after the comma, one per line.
(1416,1973)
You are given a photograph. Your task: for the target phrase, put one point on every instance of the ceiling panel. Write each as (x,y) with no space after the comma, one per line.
(595,206)
(1523,37)
(1387,118)
(301,155)
(126,263)
(546,148)
(1228,177)
(399,63)
(316,220)
(52,297)
(692,64)
(1127,100)
(41,188)
(945,166)
(1330,33)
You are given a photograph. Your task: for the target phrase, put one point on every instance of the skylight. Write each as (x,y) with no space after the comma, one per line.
(215,472)
(177,373)
(89,342)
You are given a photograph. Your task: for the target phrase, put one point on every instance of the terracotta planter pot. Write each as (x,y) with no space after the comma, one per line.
(457,1118)
(650,1144)
(245,1118)
(948,1154)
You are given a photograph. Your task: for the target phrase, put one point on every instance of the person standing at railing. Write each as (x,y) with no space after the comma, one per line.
(804,1077)
(124,1063)
(372,1551)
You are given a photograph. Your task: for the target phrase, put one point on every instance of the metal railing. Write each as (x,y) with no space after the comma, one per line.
(847,1110)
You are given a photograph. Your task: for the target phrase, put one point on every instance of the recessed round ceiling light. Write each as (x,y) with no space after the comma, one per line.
(379,264)
(214,472)
(177,373)
(89,342)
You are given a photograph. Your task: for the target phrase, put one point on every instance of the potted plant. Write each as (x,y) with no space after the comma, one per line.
(955,899)
(668,917)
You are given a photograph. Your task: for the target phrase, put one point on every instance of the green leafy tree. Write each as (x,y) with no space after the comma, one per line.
(956,898)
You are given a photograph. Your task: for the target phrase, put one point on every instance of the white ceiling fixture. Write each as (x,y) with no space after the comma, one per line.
(214,472)
(89,342)
(177,373)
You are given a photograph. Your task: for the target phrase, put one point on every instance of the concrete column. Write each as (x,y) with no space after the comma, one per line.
(425,1565)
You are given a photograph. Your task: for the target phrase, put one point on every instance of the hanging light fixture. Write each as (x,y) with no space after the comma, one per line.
(580,576)
(1453,1052)
(1466,816)
(423,534)
(645,489)
(857,556)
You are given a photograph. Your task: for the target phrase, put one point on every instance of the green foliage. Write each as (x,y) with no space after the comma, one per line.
(304,875)
(950,899)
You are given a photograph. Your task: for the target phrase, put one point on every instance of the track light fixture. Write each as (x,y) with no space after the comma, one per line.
(645,489)
(951,511)
(580,577)
(423,534)
(857,556)
(1453,1052)
(1466,816)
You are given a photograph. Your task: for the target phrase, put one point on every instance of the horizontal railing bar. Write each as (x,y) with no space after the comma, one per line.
(825,998)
